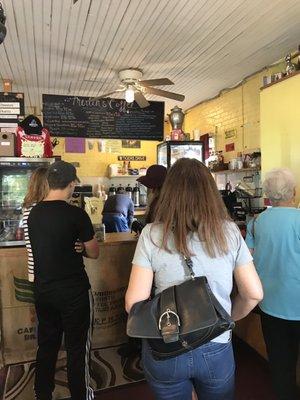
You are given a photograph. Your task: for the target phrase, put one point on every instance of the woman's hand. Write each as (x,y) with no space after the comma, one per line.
(79,247)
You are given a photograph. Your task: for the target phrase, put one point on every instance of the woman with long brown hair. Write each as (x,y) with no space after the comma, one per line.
(37,190)
(191,221)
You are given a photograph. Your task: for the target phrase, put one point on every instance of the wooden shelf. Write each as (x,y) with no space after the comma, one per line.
(235,171)
(125,176)
(280,80)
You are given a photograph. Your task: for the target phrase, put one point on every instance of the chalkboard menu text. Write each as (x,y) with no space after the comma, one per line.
(72,116)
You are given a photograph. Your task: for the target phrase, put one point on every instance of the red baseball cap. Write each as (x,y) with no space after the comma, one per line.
(155,177)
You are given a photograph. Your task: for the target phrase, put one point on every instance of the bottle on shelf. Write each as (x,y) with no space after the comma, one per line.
(125,168)
(220,157)
(120,188)
(100,232)
(239,161)
(129,191)
(290,67)
(101,193)
(136,195)
(228,187)
(112,190)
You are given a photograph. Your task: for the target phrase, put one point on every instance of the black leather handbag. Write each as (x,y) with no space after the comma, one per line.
(180,318)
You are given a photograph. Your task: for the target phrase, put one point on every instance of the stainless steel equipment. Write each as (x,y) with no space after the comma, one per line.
(176,117)
(80,192)
(14,176)
(170,151)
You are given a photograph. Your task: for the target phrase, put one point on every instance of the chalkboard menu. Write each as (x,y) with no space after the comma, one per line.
(71,116)
(11,110)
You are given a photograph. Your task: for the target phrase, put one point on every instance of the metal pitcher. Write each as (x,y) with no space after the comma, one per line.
(176,118)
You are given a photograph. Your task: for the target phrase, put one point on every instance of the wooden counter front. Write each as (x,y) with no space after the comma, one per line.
(249,330)
(108,275)
(118,238)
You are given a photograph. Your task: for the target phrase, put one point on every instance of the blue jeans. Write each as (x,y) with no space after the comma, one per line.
(210,369)
(115,223)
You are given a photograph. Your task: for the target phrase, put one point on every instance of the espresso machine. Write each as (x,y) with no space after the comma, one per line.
(80,192)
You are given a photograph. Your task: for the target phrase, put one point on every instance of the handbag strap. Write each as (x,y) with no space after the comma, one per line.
(169,321)
(189,264)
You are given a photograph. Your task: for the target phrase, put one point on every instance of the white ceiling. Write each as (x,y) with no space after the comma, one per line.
(53,46)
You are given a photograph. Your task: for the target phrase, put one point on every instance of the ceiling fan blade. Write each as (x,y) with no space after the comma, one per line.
(75,1)
(164,93)
(141,100)
(156,82)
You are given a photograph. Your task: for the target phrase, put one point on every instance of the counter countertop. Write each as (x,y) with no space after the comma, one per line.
(110,239)
(139,212)
(118,237)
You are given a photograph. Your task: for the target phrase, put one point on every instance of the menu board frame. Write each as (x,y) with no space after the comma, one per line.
(107,118)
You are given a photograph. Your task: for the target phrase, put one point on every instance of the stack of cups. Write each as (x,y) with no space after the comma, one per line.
(196,134)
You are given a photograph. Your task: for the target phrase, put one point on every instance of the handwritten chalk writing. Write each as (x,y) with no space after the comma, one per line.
(76,116)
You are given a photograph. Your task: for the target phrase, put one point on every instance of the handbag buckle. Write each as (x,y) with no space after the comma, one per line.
(167,314)
(169,330)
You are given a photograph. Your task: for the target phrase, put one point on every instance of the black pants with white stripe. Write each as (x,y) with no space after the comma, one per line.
(68,312)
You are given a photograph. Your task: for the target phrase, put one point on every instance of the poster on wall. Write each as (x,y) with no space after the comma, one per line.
(131,144)
(112,146)
(75,145)
(230,134)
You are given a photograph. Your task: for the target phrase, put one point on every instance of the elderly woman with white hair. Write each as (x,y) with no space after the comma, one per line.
(274,237)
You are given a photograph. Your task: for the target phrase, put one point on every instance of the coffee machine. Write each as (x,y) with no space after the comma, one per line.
(80,192)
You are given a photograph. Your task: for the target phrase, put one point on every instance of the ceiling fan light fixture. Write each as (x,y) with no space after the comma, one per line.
(135,88)
(129,94)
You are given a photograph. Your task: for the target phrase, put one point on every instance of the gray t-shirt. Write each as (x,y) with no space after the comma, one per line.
(169,268)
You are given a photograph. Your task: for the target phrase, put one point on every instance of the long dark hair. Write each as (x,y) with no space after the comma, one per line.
(190,202)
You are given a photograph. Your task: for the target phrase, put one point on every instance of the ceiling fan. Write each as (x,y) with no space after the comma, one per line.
(135,88)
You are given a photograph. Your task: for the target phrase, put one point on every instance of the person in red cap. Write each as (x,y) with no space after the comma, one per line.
(153,180)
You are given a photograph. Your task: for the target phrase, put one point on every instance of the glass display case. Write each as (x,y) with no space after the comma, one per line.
(14,176)
(170,151)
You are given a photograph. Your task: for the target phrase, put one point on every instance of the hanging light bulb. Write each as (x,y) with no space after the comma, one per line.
(129,94)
